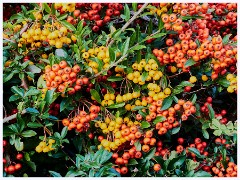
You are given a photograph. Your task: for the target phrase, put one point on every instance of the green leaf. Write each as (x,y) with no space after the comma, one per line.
(225,39)
(176,130)
(126,12)
(55,174)
(32,92)
(46,7)
(95,94)
(159,119)
(61,53)
(211,111)
(191,165)
(154,36)
(18,16)
(193,98)
(202,173)
(205,134)
(9,76)
(125,46)
(167,102)
(7,131)
(114,78)
(196,152)
(14,97)
(189,62)
(132,162)
(73,173)
(150,154)
(138,145)
(217,132)
(224,82)
(32,165)
(17,90)
(144,76)
(138,47)
(64,132)
(49,96)
(112,54)
(34,69)
(32,110)
(28,133)
(118,105)
(18,144)
(34,125)
(134,6)
(136,108)
(68,25)
(145,124)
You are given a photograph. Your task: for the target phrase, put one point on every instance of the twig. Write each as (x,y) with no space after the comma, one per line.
(130,21)
(176,74)
(9,118)
(24,84)
(9,40)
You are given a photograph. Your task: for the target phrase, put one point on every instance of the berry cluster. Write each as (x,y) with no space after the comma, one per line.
(81,120)
(156,93)
(138,75)
(233,83)
(45,147)
(63,77)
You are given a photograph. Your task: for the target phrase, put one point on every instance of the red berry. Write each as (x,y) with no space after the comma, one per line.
(11,169)
(19,156)
(209,100)
(18,166)
(223,112)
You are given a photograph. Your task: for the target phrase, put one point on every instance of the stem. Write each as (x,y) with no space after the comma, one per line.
(24,83)
(9,118)
(130,21)
(9,40)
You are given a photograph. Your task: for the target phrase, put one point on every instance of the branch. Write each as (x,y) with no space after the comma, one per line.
(24,84)
(145,18)
(130,21)
(9,118)
(9,40)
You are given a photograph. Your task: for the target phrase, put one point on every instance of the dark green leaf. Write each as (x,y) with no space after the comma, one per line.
(125,46)
(138,145)
(205,134)
(46,7)
(144,76)
(193,98)
(61,53)
(224,82)
(7,131)
(150,154)
(32,92)
(95,94)
(115,78)
(34,125)
(136,108)
(17,90)
(211,111)
(126,12)
(64,132)
(202,174)
(112,54)
(49,96)
(176,130)
(32,110)
(138,47)
(167,102)
(132,162)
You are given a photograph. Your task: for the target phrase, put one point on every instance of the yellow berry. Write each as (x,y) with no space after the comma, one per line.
(193,79)
(167,91)
(204,77)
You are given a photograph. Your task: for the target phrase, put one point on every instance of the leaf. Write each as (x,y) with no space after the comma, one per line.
(202,174)
(95,94)
(49,96)
(55,174)
(68,25)
(32,110)
(176,130)
(189,62)
(46,7)
(17,90)
(34,125)
(14,98)
(224,82)
(64,132)
(32,92)
(112,54)
(118,105)
(126,12)
(32,165)
(145,124)
(196,152)
(191,165)
(138,47)
(138,145)
(180,161)
(136,108)
(16,16)
(167,102)
(72,173)
(193,98)
(205,134)
(154,36)
(61,53)
(9,76)
(34,69)
(211,111)
(28,133)
(125,46)
(144,76)
(134,6)
(150,154)
(217,132)
(18,144)
(159,119)
(132,162)
(7,131)
(114,78)
(225,39)
(105,156)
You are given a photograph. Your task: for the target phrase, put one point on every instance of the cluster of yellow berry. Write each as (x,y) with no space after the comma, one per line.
(44,147)
(233,83)
(37,36)
(160,8)
(101,53)
(118,132)
(119,71)
(108,99)
(65,7)
(130,107)
(151,67)
(127,97)
(156,93)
